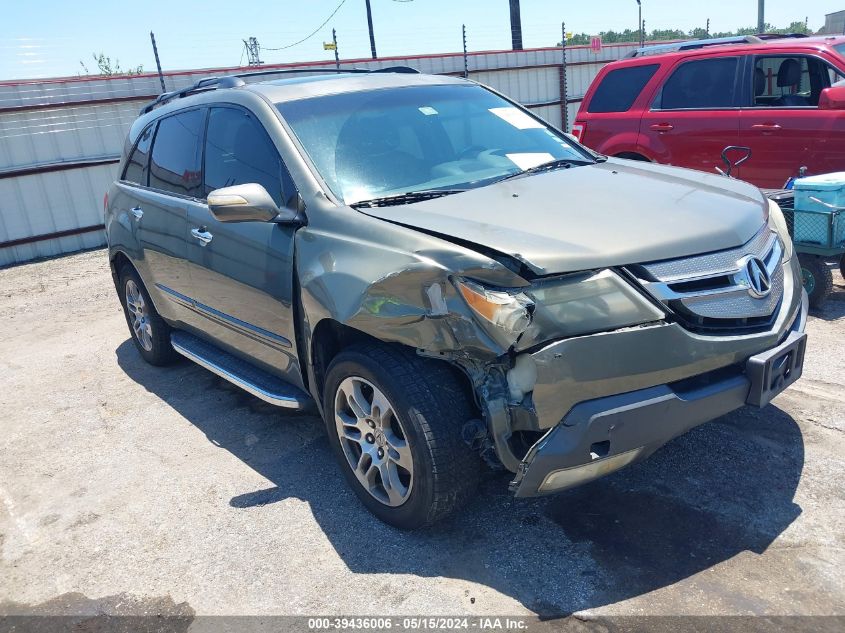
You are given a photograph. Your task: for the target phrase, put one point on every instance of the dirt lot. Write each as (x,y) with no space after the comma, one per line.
(169,491)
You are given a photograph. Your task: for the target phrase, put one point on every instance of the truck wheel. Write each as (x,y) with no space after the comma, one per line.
(394,421)
(817,279)
(842,266)
(150,333)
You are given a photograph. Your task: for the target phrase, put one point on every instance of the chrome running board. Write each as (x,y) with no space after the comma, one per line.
(241,373)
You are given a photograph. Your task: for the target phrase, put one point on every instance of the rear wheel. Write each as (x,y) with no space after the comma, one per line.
(816,278)
(394,422)
(842,266)
(150,333)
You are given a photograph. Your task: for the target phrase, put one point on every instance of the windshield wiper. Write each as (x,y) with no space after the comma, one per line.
(561,163)
(405,198)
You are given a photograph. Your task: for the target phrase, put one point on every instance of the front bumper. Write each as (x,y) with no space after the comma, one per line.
(603,434)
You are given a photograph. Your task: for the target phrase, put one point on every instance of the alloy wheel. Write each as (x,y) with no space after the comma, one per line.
(139,315)
(373,441)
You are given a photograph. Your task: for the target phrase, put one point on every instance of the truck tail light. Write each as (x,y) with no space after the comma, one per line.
(578,130)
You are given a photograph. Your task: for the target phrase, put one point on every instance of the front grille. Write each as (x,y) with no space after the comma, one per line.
(715,292)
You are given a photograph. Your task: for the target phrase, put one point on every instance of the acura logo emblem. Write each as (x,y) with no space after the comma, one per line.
(756,276)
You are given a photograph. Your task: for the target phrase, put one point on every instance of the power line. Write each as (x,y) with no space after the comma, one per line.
(312,34)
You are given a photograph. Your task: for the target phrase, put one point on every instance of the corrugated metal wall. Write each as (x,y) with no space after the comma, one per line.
(60,139)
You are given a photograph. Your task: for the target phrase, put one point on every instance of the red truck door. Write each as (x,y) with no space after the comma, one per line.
(782,123)
(693,115)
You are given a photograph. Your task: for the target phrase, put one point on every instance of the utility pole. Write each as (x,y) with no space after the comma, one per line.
(640,22)
(761,17)
(158,61)
(253,51)
(466,64)
(370,26)
(516,25)
(336,54)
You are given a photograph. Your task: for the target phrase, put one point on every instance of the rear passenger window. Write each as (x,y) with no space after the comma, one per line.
(137,165)
(702,84)
(239,151)
(175,164)
(620,88)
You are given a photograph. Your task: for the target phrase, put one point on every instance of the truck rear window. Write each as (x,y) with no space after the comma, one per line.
(619,88)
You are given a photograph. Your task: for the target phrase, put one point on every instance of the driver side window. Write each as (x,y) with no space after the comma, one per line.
(238,151)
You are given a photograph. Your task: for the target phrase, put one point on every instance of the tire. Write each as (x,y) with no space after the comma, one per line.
(152,337)
(817,279)
(428,410)
(842,266)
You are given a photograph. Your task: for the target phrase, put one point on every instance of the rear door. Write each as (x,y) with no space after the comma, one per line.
(609,122)
(160,175)
(174,180)
(694,114)
(782,124)
(242,273)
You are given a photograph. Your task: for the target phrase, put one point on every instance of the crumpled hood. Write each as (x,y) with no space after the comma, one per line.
(608,214)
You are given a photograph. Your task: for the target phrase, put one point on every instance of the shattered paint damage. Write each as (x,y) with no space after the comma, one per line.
(416,305)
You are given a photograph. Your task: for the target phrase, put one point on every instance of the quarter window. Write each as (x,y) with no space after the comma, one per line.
(138,164)
(238,151)
(620,88)
(175,165)
(700,84)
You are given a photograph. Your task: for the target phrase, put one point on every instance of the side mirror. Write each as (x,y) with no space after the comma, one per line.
(833,98)
(247,203)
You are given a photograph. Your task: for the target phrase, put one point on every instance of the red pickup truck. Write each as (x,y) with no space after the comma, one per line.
(683,103)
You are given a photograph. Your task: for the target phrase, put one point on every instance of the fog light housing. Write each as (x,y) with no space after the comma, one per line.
(577,475)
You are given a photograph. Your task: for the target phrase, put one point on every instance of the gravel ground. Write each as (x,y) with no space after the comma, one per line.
(167,491)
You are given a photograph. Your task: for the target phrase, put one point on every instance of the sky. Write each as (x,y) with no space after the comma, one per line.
(48,38)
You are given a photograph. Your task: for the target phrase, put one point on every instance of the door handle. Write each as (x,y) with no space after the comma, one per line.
(766,126)
(202,235)
(138,212)
(662,127)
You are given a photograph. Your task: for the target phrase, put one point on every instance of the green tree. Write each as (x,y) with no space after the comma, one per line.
(108,68)
(629,35)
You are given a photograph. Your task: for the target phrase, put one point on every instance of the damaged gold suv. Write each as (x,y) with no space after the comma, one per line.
(454,284)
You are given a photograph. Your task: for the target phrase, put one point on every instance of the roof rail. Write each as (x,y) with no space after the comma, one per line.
(716,41)
(780,36)
(693,44)
(237,80)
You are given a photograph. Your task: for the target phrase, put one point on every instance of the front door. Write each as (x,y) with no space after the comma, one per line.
(693,115)
(782,124)
(242,273)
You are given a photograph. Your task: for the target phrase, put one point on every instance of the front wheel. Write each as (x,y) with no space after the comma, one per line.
(817,279)
(394,422)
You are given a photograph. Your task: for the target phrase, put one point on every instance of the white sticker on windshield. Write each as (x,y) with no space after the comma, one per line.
(527,160)
(517,118)
(427,110)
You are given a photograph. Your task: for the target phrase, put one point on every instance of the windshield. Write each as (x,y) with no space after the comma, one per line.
(840,48)
(373,144)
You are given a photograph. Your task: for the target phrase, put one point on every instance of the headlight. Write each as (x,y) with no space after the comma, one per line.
(778,223)
(509,311)
(569,305)
(588,302)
